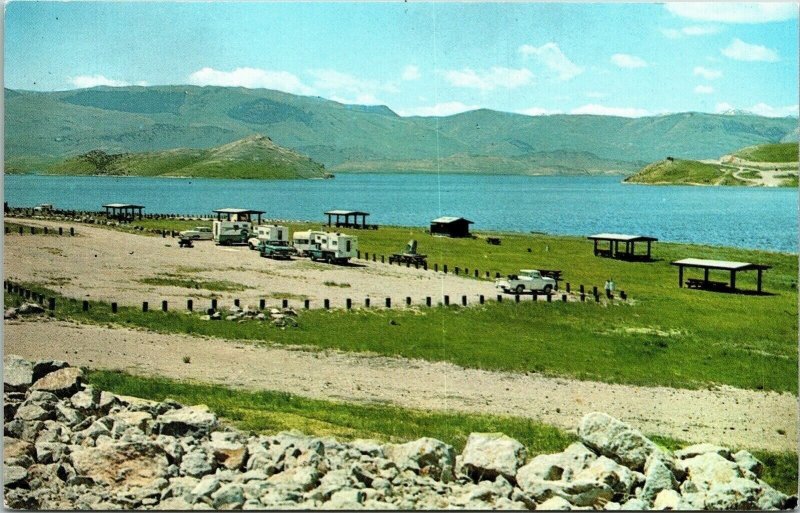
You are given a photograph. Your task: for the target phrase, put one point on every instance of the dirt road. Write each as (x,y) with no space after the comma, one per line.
(110,265)
(733,417)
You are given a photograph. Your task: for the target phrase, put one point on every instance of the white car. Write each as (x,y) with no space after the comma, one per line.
(528,280)
(198,233)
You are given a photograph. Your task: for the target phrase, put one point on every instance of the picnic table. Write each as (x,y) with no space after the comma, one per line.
(694,283)
(408,258)
(495,241)
(185,243)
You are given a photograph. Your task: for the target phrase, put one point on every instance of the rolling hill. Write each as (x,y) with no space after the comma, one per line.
(45,127)
(252,157)
(760,165)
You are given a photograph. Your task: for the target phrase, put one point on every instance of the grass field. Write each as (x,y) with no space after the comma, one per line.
(782,152)
(271,412)
(679,171)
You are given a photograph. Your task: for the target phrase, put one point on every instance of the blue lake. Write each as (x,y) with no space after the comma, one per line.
(726,216)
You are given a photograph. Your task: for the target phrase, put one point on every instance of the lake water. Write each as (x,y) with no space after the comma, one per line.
(727,216)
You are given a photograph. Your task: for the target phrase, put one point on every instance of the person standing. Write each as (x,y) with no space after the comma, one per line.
(610,288)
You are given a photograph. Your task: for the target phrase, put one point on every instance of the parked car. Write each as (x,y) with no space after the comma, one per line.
(528,280)
(198,233)
(270,233)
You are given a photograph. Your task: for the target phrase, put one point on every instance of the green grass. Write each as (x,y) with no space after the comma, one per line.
(270,412)
(789,179)
(14,229)
(188,283)
(783,152)
(334,284)
(751,173)
(679,171)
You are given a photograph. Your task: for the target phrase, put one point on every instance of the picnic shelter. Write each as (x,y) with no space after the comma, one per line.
(628,251)
(238,214)
(123,211)
(722,265)
(347,222)
(451,226)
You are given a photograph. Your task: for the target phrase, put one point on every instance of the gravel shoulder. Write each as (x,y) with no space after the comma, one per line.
(725,415)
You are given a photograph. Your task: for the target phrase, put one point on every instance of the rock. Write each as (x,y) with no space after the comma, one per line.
(231,455)
(426,455)
(191,420)
(122,463)
(13,476)
(30,309)
(17,374)
(555,504)
(616,440)
(216,316)
(710,468)
(667,499)
(634,505)
(49,452)
(348,499)
(44,367)
(657,478)
(369,447)
(302,478)
(63,382)
(18,452)
(10,313)
(203,489)
(488,455)
(69,416)
(229,496)
(698,449)
(554,467)
(29,412)
(126,420)
(607,471)
(196,463)
(747,461)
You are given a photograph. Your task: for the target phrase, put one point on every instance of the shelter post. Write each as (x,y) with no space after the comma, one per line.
(733,279)
(680,276)
(758,283)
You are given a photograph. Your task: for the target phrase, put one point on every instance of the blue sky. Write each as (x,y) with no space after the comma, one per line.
(425,58)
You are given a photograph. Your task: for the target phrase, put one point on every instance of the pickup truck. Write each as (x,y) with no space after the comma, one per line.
(528,280)
(274,250)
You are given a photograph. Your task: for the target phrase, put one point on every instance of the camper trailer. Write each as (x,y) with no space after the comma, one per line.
(227,233)
(303,241)
(272,234)
(335,247)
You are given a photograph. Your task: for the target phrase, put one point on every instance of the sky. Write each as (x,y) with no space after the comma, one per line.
(425,58)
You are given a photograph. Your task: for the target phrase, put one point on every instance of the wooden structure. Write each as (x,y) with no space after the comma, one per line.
(347,223)
(410,256)
(722,265)
(123,211)
(629,250)
(451,226)
(238,214)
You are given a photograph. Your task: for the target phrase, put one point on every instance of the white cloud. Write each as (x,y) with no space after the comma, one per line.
(602,110)
(734,12)
(741,51)
(703,89)
(440,109)
(691,31)
(340,84)
(411,72)
(707,73)
(488,80)
(85,81)
(762,109)
(623,60)
(551,56)
(538,111)
(252,78)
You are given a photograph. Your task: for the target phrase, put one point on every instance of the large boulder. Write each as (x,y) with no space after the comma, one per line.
(698,449)
(425,456)
(709,468)
(488,455)
(63,382)
(191,420)
(17,374)
(18,452)
(658,477)
(130,464)
(606,471)
(556,467)
(616,439)
(44,367)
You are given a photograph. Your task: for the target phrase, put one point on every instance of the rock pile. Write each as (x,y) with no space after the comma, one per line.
(71,446)
(23,309)
(278,317)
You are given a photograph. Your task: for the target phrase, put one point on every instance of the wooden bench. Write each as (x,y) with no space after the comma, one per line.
(694,283)
(408,258)
(603,253)
(495,241)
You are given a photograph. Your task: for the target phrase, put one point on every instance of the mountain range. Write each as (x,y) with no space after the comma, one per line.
(43,128)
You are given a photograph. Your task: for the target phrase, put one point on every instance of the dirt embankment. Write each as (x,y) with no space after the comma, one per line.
(728,416)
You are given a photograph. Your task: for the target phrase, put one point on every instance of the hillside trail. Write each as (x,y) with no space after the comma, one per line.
(768,171)
(724,415)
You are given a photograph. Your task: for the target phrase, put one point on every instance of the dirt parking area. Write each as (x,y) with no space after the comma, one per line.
(108,265)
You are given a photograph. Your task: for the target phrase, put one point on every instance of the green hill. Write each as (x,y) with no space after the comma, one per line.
(783,152)
(252,157)
(684,172)
(43,127)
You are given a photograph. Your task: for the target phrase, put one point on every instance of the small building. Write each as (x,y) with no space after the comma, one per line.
(238,214)
(721,265)
(628,251)
(123,211)
(347,222)
(451,226)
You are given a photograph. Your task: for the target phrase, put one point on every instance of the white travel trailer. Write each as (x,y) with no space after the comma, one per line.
(273,234)
(335,247)
(227,233)
(304,241)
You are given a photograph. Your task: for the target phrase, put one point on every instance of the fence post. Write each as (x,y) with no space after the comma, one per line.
(388,302)
(51,303)
(349,303)
(463,300)
(425,265)
(597,298)
(236,302)
(214,304)
(456,270)
(21,230)
(436,268)
(480,299)
(568,287)
(496,275)
(358,254)
(71,231)
(446,300)
(374,257)
(85,306)
(366,302)
(33,230)
(499,298)
(488,274)
(535,296)
(428,301)
(622,295)
(563,298)
(61,230)
(189,305)
(262,303)
(445,268)
(408,301)
(383,259)
(285,303)
(327,304)
(45,230)
(549,298)
(516,298)
(164,305)
(582,289)
(366,255)
(307,304)
(594,290)
(113,308)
